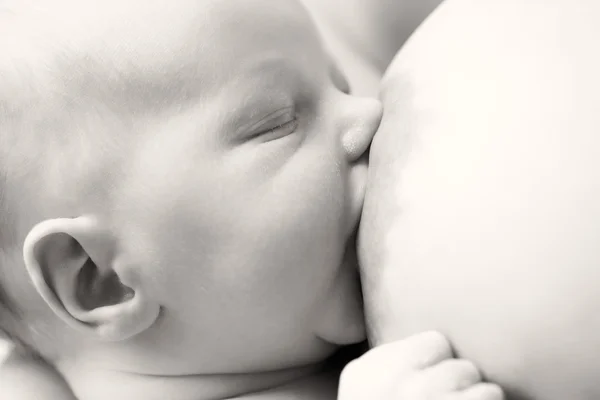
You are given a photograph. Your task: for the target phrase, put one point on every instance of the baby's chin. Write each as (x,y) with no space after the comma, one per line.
(342,319)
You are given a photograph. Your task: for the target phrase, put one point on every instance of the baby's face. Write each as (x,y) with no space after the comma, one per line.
(241,202)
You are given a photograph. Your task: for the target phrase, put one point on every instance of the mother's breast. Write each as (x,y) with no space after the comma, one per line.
(482,217)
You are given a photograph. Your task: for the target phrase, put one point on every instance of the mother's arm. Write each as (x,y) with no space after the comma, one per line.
(482,218)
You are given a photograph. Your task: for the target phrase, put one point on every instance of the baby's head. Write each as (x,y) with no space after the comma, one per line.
(180,183)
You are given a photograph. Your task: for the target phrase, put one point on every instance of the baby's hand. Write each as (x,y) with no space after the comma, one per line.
(418,368)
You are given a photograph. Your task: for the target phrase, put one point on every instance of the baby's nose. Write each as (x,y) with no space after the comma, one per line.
(363,118)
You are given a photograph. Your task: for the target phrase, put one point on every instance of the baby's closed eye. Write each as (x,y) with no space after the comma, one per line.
(274,126)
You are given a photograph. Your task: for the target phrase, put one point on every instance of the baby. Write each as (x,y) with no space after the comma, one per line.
(181,186)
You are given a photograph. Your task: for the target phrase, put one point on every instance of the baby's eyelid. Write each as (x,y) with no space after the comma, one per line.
(273,120)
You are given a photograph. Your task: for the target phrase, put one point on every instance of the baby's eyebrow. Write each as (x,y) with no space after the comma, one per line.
(271,67)
(267,78)
(136,87)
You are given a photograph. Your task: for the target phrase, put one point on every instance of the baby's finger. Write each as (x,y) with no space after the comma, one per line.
(481,391)
(451,375)
(413,353)
(388,365)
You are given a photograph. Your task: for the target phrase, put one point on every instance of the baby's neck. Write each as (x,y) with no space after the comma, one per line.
(321,385)
(310,383)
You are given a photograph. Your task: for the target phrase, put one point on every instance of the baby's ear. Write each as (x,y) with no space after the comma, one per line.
(71,262)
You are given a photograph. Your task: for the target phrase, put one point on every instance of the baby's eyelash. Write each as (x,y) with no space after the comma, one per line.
(272,116)
(275,125)
(279,131)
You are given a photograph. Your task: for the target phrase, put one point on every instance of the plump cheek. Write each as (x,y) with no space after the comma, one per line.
(298,240)
(305,242)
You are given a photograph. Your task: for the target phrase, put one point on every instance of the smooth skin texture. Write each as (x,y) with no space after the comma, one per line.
(218,264)
(421,366)
(482,218)
(25,378)
(222,263)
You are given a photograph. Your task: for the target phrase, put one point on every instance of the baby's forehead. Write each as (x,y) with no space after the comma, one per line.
(152,48)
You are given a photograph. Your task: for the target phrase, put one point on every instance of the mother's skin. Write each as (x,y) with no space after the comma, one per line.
(483,213)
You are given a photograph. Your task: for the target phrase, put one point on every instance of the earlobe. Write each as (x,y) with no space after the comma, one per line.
(72,264)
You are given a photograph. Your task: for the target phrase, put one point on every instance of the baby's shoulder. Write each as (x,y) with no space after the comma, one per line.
(23,377)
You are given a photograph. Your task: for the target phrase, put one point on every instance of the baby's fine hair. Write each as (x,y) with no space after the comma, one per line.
(67,102)
(46,147)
